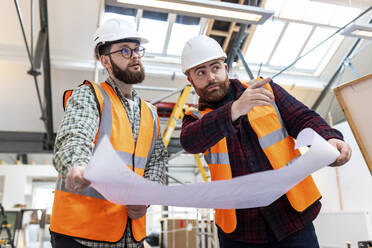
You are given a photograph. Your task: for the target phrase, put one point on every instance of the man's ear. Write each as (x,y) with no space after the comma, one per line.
(105,61)
(226,66)
(190,79)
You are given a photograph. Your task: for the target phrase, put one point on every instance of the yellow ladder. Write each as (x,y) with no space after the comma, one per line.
(177,114)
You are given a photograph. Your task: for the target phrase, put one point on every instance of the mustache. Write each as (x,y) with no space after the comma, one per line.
(211,84)
(135,63)
(126,75)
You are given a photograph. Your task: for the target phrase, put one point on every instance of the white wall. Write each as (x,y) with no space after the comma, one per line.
(18,181)
(19,104)
(335,227)
(355,180)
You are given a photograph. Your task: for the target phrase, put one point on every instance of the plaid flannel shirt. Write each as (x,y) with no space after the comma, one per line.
(255,225)
(75,142)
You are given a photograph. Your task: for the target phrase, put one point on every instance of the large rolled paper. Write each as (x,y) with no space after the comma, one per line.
(118,184)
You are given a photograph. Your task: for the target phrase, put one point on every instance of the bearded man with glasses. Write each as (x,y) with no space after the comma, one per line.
(81,217)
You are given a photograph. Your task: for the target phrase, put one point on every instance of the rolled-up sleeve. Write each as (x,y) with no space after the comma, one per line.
(75,138)
(155,168)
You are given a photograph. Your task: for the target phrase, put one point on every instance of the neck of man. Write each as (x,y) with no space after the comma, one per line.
(124,88)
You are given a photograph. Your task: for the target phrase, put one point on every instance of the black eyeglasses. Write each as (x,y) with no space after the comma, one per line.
(127,52)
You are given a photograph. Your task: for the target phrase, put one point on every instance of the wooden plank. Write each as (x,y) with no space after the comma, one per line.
(209,28)
(355,99)
(228,37)
(354,82)
(219,33)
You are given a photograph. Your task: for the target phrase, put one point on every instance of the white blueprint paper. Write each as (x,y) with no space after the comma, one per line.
(118,184)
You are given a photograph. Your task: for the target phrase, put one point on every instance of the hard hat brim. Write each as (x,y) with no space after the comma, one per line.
(128,39)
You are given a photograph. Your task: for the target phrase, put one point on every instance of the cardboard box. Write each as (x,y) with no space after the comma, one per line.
(178,233)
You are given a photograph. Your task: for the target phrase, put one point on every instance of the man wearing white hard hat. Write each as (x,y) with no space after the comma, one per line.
(81,217)
(246,128)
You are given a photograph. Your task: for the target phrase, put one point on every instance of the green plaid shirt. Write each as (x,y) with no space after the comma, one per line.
(75,142)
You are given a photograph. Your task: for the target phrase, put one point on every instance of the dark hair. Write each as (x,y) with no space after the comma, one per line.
(104,49)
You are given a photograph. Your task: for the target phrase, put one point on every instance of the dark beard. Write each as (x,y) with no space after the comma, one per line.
(216,96)
(127,76)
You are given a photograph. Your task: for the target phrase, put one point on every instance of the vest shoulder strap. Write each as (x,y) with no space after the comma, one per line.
(194,112)
(154,112)
(67,94)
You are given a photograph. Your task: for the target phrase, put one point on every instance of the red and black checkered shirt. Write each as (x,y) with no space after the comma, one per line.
(278,220)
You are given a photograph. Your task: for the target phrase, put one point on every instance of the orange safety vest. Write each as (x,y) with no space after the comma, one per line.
(278,147)
(88,214)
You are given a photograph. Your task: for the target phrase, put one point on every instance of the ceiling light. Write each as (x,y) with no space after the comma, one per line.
(205,8)
(359,30)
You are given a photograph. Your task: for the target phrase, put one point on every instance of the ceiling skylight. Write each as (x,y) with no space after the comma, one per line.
(312,60)
(294,9)
(265,36)
(298,26)
(112,12)
(184,28)
(154,25)
(167,33)
(290,45)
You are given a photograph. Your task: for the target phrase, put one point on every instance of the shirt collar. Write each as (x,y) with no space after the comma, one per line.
(135,96)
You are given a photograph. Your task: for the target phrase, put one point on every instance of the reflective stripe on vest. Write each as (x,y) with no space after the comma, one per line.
(278,147)
(88,214)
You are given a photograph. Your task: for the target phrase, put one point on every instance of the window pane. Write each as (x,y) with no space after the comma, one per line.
(320,12)
(155,15)
(121,10)
(181,33)
(312,60)
(188,20)
(344,15)
(155,31)
(263,42)
(274,5)
(109,15)
(295,9)
(291,44)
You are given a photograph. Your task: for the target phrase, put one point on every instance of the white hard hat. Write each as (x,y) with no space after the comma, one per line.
(199,50)
(115,30)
